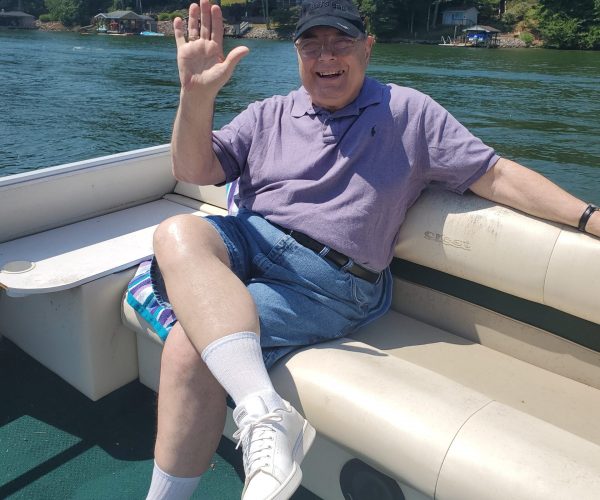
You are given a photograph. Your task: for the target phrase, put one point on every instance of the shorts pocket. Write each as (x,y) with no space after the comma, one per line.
(365,294)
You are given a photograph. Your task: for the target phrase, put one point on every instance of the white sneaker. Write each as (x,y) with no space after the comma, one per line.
(274,444)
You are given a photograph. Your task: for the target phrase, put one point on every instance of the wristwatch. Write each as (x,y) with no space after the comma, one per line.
(585,217)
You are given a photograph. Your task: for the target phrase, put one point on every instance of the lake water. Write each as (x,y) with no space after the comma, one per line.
(66,97)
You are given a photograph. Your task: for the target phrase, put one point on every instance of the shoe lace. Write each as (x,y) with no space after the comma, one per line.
(256,438)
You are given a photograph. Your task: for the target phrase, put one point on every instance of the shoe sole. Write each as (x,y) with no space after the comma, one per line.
(303,444)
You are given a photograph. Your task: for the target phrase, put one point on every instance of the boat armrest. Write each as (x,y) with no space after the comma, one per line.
(68,256)
(493,245)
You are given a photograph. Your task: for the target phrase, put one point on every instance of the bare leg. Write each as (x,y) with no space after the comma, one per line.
(218,316)
(191,409)
(209,300)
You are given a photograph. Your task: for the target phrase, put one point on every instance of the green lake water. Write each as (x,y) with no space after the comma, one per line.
(66,97)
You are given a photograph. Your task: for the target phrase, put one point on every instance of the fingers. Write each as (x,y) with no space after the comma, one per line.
(217,24)
(205,19)
(234,57)
(194,16)
(179,31)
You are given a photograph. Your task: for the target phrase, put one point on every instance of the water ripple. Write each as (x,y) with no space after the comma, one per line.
(67,97)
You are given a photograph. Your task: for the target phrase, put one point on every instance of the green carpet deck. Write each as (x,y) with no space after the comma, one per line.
(57,444)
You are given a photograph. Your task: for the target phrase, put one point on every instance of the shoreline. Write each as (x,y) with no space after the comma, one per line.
(506,40)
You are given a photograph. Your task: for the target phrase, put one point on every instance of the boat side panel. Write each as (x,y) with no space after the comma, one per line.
(30,203)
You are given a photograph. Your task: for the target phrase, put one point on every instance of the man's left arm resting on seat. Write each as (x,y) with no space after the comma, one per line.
(514,185)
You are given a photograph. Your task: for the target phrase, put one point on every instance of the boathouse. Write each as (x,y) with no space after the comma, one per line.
(482,36)
(460,16)
(124,22)
(16,19)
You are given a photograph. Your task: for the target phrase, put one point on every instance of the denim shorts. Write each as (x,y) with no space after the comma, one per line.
(301,297)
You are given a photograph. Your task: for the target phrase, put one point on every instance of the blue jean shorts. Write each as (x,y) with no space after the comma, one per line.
(301,297)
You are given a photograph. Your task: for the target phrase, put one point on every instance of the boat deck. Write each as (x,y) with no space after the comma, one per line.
(56,443)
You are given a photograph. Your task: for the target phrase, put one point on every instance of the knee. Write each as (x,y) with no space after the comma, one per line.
(171,231)
(182,364)
(183,236)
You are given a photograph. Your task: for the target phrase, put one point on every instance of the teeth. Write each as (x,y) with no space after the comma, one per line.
(330,73)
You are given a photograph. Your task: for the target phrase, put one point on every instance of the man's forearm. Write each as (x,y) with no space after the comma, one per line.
(519,187)
(192,154)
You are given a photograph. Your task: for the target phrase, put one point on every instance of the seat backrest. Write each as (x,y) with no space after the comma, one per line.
(209,194)
(475,239)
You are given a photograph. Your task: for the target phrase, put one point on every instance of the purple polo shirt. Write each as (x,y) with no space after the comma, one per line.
(347,178)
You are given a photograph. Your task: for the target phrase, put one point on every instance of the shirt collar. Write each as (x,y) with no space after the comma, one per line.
(370,93)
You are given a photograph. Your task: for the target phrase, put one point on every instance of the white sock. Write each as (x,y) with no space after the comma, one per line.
(167,487)
(236,362)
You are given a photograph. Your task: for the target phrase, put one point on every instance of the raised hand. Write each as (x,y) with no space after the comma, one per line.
(202,65)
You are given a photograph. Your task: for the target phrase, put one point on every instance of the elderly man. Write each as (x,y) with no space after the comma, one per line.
(326,175)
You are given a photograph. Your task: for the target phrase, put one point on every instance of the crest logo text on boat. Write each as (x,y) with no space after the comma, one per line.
(446,240)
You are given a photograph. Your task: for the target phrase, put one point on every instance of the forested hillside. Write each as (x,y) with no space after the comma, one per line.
(569,24)
(559,23)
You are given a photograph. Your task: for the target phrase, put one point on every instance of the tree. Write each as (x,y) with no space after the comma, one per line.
(387,18)
(560,31)
(570,24)
(436,11)
(68,12)
(521,14)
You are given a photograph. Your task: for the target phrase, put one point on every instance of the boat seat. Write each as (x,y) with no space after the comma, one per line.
(434,411)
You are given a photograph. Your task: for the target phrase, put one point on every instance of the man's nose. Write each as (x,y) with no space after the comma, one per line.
(326,52)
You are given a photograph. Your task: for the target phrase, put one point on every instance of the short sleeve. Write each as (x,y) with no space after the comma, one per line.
(232,143)
(455,157)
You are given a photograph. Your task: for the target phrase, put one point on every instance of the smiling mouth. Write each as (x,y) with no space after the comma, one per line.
(329,74)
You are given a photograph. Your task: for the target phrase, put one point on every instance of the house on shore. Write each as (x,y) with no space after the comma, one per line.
(460,16)
(16,19)
(124,22)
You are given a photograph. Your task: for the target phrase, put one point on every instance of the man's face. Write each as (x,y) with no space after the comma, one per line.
(333,78)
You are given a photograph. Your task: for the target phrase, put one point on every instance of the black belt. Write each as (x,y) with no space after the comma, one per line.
(337,258)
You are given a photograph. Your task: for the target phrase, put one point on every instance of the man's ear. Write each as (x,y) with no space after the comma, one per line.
(368,47)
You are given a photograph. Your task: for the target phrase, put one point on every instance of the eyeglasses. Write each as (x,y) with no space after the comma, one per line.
(312,48)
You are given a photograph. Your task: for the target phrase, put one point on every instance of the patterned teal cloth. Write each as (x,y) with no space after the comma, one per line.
(140,294)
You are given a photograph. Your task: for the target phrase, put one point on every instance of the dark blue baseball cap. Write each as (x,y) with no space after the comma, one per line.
(340,14)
